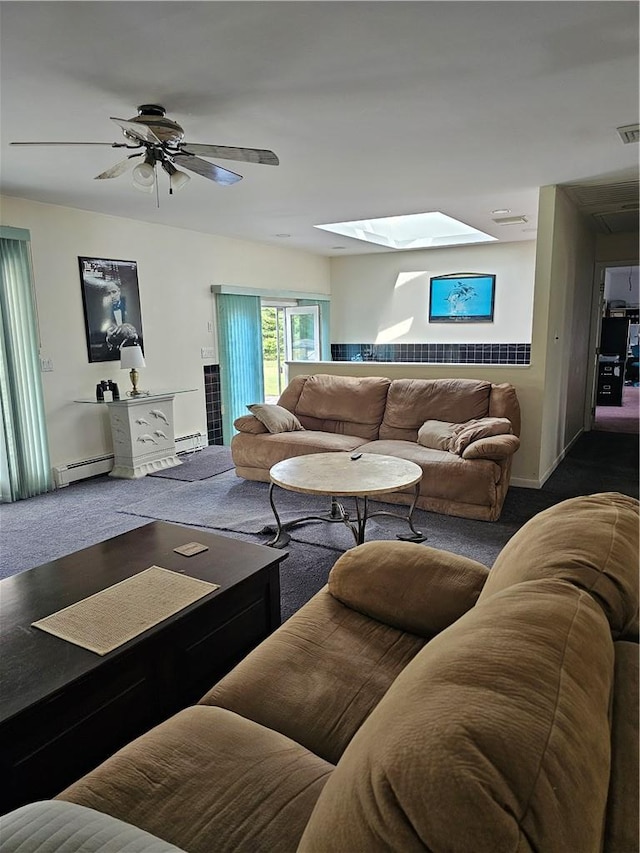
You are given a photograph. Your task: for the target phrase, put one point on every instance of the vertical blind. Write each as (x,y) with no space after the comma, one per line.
(240,352)
(24,455)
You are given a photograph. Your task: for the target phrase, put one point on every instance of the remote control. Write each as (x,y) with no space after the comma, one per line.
(355,456)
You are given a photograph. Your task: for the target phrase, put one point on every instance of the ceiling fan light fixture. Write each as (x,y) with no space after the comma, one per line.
(177,179)
(144,176)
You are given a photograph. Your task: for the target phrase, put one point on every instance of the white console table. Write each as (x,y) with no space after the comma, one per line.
(142,432)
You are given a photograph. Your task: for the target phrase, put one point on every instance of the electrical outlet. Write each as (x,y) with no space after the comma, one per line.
(46,365)
(207,352)
(210,327)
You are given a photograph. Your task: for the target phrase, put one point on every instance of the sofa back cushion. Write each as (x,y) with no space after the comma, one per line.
(590,541)
(411,402)
(495,737)
(350,405)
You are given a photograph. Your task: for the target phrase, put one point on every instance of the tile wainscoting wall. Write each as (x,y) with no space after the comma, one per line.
(213,403)
(434,353)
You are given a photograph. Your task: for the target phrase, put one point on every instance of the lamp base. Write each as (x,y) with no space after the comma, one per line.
(133,376)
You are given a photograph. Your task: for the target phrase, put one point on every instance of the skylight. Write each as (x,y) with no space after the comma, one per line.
(413,231)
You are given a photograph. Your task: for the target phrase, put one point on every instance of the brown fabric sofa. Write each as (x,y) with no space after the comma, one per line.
(378,415)
(419,702)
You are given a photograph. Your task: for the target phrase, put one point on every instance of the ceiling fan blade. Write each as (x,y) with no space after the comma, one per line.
(207,170)
(119,169)
(137,130)
(225,152)
(110,144)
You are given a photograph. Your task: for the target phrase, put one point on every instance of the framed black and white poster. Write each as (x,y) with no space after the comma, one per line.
(111,303)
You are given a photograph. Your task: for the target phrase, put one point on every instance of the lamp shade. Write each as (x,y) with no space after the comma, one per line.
(131,357)
(144,177)
(178,180)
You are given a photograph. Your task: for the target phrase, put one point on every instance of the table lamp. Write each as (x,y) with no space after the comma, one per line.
(132,357)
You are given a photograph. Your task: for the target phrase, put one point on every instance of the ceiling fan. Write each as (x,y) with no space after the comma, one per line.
(161,142)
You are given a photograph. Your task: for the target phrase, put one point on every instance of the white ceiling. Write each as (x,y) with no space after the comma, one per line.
(374,108)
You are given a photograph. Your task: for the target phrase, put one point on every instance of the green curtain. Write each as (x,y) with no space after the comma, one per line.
(325,333)
(240,353)
(25,469)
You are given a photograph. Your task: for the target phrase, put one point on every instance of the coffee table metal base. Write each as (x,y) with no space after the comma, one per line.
(338,513)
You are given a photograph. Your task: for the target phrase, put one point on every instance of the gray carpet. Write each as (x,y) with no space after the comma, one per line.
(199,465)
(230,504)
(49,526)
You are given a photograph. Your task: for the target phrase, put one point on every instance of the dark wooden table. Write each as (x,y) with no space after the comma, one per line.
(64,709)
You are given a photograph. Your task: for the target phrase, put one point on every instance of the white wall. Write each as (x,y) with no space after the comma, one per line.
(384,298)
(566,278)
(175,271)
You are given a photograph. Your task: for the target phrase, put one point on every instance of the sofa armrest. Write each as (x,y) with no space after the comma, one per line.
(250,424)
(496,447)
(411,587)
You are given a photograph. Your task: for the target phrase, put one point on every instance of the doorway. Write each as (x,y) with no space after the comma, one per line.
(290,332)
(616,393)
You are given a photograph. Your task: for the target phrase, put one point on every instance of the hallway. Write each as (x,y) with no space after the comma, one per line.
(625,418)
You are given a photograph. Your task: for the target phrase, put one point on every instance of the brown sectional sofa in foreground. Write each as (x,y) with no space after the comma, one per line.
(419,702)
(379,415)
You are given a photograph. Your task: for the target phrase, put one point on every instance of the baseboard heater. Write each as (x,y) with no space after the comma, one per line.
(190,443)
(63,475)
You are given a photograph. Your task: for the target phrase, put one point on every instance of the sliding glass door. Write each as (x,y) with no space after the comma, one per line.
(257,336)
(303,333)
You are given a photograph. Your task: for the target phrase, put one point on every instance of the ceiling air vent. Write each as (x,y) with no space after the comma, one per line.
(511,220)
(597,197)
(629,133)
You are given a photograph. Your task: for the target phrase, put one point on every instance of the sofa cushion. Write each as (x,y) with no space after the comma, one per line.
(411,402)
(209,780)
(352,405)
(412,587)
(436,434)
(445,475)
(494,738)
(590,541)
(263,451)
(275,418)
(318,677)
(465,434)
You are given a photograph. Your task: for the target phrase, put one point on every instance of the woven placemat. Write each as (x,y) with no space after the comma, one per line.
(106,620)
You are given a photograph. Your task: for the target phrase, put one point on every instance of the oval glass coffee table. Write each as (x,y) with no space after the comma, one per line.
(339,474)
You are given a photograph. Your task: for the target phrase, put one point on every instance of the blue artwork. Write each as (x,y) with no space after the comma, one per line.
(462,299)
